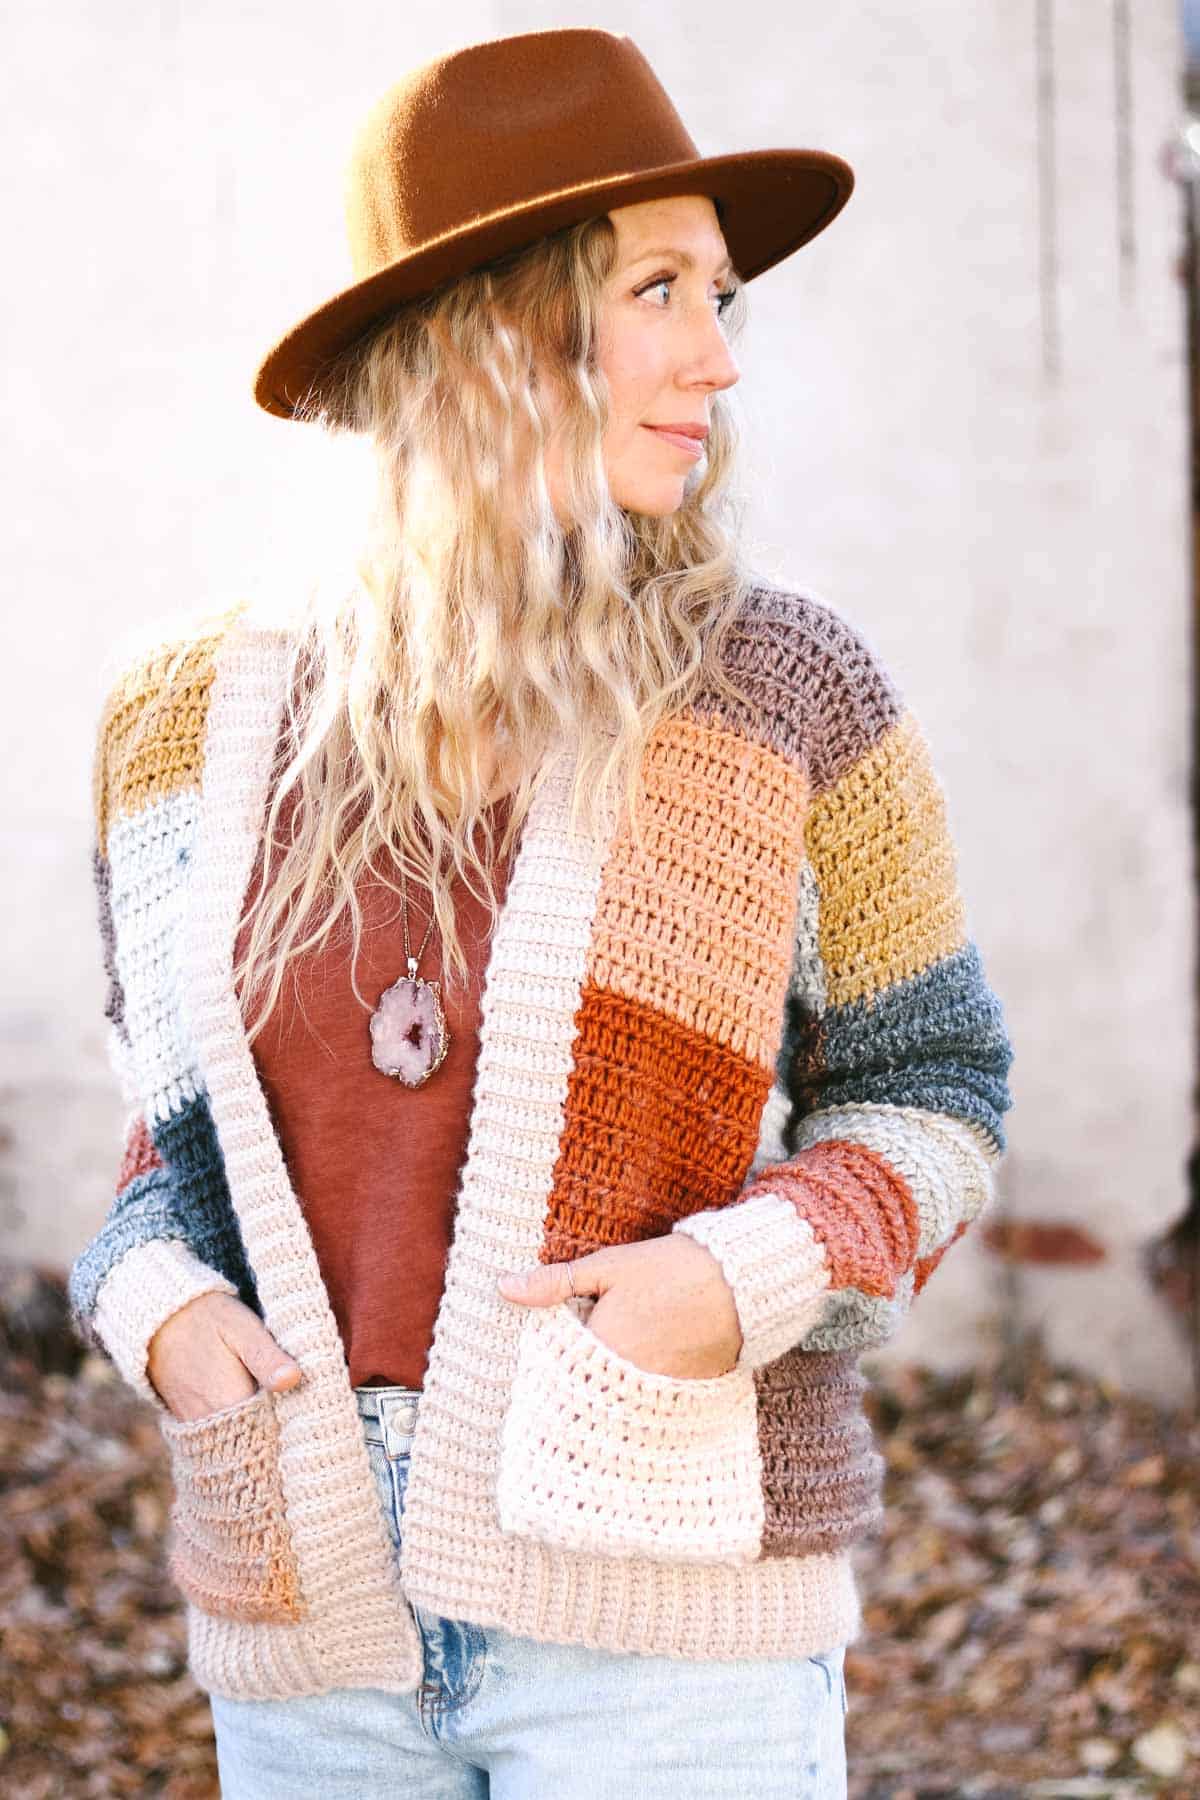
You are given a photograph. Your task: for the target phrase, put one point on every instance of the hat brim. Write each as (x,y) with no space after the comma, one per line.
(775,201)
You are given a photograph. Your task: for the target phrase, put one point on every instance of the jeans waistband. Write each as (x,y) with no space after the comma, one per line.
(394,1408)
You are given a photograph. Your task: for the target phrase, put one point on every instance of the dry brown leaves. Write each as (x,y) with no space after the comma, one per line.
(1032,1607)
(95,1698)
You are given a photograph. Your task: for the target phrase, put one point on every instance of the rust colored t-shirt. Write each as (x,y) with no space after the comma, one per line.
(376,1164)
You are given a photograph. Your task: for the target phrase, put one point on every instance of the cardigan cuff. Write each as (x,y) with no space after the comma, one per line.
(140,1292)
(773,1263)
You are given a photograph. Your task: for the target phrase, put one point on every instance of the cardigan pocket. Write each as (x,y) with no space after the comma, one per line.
(230,1544)
(600,1456)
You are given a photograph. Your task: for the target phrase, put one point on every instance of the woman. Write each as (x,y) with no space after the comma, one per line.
(539,978)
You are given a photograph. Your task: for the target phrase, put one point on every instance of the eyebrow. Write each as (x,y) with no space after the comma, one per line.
(683,256)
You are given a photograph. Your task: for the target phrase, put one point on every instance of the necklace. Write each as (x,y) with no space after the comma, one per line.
(409,1039)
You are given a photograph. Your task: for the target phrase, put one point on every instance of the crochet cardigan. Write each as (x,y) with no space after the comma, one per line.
(767,1027)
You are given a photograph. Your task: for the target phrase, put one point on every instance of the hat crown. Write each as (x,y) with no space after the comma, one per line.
(481,130)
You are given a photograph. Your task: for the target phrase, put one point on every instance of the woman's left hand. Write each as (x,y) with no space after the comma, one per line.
(663,1303)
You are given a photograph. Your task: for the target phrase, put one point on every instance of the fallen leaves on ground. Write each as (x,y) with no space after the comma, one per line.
(95,1698)
(1032,1603)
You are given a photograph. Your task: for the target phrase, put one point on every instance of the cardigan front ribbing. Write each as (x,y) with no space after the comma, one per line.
(766,1025)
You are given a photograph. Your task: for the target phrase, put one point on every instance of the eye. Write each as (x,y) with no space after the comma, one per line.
(659,281)
(724,299)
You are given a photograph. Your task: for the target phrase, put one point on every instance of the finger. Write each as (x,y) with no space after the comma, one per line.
(548,1283)
(197,1403)
(272,1367)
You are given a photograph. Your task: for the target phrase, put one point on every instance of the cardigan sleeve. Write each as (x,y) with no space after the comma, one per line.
(891,1077)
(170,1234)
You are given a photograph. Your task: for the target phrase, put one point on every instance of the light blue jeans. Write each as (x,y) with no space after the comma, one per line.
(499,1717)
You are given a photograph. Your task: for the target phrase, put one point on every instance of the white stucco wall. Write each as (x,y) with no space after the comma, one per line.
(1012,536)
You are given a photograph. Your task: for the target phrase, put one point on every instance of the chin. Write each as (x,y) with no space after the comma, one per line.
(656,502)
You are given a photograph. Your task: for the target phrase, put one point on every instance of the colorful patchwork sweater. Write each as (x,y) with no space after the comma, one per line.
(767,1027)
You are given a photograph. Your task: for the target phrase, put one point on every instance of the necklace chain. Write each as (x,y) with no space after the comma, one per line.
(413,961)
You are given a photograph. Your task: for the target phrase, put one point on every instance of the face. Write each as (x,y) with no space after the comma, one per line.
(661,348)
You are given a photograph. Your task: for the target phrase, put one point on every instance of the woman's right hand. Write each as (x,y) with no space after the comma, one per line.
(212,1353)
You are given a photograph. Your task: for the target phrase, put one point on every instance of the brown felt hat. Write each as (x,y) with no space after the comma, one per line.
(499,143)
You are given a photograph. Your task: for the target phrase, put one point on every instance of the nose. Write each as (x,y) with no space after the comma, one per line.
(712,363)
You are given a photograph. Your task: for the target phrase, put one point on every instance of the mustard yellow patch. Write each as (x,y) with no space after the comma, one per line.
(150,741)
(886,870)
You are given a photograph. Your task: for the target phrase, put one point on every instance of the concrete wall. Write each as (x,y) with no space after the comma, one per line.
(966,407)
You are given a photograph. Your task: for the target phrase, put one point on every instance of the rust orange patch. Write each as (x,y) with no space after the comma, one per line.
(644,1080)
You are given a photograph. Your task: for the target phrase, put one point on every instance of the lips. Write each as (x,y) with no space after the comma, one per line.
(688,438)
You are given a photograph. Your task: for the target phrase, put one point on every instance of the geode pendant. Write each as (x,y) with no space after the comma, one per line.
(408,1029)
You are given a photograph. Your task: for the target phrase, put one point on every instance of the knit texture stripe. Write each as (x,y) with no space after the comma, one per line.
(695,923)
(640,1081)
(152,731)
(885,866)
(230,1541)
(946,1162)
(935,1042)
(356,1629)
(149,875)
(776,1267)
(177,1194)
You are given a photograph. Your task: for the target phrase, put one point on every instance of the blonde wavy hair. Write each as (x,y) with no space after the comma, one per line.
(479,623)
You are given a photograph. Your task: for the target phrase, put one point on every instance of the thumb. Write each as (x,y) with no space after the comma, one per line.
(271,1366)
(548,1283)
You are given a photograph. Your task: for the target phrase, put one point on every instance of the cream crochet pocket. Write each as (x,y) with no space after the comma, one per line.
(230,1545)
(601,1456)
